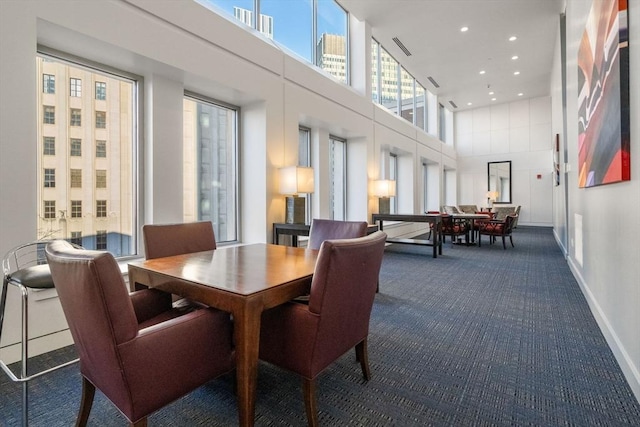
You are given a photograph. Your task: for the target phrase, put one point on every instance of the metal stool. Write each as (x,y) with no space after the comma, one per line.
(25,267)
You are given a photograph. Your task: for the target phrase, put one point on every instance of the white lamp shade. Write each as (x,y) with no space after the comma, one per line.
(296,180)
(492,195)
(384,188)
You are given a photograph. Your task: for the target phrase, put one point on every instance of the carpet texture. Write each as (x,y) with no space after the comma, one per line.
(477,337)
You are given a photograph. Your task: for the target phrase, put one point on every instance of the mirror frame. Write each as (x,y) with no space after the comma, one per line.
(502,199)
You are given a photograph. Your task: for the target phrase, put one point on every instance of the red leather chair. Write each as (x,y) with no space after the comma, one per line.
(135,348)
(162,240)
(327,229)
(306,339)
(497,228)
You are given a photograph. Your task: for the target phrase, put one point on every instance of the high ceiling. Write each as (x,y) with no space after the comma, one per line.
(430,31)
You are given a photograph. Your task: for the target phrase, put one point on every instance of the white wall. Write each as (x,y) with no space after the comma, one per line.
(177,46)
(517,131)
(603,225)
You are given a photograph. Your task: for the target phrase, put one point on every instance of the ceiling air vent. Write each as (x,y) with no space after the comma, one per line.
(433,82)
(402,46)
(453,104)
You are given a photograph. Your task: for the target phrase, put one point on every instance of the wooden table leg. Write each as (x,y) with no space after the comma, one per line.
(247,340)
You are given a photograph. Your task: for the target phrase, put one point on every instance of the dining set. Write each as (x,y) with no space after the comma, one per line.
(193,311)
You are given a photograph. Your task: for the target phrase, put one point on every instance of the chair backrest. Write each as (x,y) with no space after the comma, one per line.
(342,292)
(470,209)
(97,307)
(450,209)
(162,240)
(327,229)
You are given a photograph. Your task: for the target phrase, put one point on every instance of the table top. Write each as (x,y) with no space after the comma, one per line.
(471,215)
(407,217)
(242,270)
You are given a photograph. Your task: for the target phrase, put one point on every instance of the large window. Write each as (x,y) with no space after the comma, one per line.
(210,165)
(316,30)
(389,81)
(393,176)
(48,83)
(304,159)
(114,230)
(338,187)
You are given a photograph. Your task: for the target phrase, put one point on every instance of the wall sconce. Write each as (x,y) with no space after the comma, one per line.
(492,196)
(293,181)
(384,189)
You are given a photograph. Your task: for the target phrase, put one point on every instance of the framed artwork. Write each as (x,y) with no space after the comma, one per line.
(556,160)
(603,96)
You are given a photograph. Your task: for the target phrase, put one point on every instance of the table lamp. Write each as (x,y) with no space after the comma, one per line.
(293,181)
(492,196)
(384,189)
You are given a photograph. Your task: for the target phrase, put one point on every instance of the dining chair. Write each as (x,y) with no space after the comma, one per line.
(307,338)
(325,229)
(453,227)
(162,240)
(141,353)
(497,228)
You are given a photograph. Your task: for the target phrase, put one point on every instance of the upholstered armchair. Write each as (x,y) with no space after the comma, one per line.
(307,338)
(327,229)
(497,228)
(453,227)
(135,348)
(162,240)
(470,209)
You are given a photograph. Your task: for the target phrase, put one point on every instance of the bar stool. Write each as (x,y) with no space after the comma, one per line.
(25,268)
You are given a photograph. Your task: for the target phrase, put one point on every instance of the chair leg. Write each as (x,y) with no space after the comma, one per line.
(363,357)
(504,244)
(88,392)
(310,405)
(511,238)
(140,423)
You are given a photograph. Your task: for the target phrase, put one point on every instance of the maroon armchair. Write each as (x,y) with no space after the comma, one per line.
(162,240)
(139,351)
(453,227)
(327,229)
(497,228)
(306,339)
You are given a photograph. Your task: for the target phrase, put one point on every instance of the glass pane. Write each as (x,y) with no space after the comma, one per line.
(292,24)
(331,50)
(242,10)
(406,91)
(338,196)
(393,175)
(421,104)
(210,167)
(389,80)
(304,159)
(375,91)
(75,165)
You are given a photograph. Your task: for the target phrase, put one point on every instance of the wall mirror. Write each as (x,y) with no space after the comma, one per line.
(499,181)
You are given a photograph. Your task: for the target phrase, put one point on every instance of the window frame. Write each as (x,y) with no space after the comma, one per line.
(75,147)
(75,87)
(344,152)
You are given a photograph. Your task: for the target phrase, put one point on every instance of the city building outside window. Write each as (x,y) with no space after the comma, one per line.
(76,117)
(211,165)
(76,238)
(75,88)
(101,148)
(101,91)
(49,178)
(76,209)
(101,120)
(76,147)
(49,115)
(101,178)
(49,209)
(101,240)
(76,178)
(48,83)
(101,208)
(119,225)
(49,146)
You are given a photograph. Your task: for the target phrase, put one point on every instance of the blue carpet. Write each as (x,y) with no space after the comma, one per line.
(477,337)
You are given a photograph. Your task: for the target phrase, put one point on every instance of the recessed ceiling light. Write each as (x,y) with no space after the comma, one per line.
(493,99)
(520,94)
(513,38)
(514,57)
(516,73)
(469,103)
(464,29)
(491,93)
(482,72)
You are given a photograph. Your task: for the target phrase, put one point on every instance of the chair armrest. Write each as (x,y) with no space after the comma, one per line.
(148,303)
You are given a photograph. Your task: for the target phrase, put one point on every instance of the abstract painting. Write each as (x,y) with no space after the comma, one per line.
(603,96)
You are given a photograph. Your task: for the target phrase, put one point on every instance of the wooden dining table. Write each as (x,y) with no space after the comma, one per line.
(242,280)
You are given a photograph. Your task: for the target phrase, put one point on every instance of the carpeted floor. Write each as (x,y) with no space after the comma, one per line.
(477,337)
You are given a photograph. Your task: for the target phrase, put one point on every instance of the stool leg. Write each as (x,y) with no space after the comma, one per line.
(25,355)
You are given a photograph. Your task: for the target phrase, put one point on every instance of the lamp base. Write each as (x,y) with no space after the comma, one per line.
(295,210)
(384,205)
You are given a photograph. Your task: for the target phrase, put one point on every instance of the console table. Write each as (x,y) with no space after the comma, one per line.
(434,219)
(295,230)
